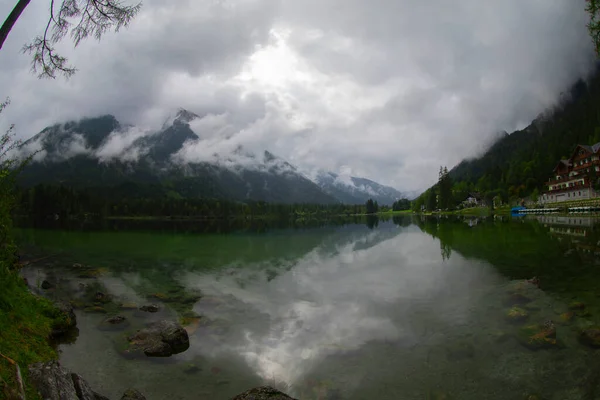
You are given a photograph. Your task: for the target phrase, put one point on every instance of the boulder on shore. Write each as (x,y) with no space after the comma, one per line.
(54,382)
(263,393)
(160,339)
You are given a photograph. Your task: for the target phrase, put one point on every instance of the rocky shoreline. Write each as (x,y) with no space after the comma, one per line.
(161,338)
(54,382)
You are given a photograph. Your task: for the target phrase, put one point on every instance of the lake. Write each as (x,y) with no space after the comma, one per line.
(409,308)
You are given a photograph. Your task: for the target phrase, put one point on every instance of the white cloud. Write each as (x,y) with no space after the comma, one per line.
(390,88)
(119,145)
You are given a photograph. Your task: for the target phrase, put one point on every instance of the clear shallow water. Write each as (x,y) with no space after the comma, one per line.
(410,309)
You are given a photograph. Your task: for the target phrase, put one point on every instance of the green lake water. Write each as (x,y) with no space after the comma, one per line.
(409,308)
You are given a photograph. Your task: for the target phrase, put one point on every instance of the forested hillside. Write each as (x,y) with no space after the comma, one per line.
(518,164)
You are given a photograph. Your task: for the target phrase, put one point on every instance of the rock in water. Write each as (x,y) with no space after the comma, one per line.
(132,394)
(83,389)
(65,321)
(263,393)
(150,308)
(590,337)
(47,285)
(117,322)
(53,382)
(537,337)
(160,339)
(516,314)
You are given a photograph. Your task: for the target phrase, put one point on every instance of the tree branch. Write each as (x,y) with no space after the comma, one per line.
(11,19)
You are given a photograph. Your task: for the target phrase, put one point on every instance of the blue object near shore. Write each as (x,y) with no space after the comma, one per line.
(517,210)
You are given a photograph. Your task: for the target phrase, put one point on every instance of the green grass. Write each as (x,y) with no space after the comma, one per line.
(25,325)
(403,212)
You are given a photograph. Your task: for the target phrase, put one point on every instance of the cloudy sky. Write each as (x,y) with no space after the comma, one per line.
(384,89)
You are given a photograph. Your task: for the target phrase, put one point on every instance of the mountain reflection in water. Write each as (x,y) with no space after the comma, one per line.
(410,308)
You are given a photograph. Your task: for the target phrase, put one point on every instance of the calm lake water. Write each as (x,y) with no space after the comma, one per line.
(413,308)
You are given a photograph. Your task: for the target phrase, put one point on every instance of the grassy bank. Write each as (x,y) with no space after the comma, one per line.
(474,212)
(26,322)
(392,213)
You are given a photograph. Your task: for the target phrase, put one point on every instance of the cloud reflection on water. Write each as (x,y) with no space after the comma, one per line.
(339,297)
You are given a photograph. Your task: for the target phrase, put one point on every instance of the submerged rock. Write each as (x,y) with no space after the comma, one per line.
(129,306)
(590,337)
(520,293)
(567,317)
(47,285)
(263,393)
(533,397)
(102,297)
(132,394)
(576,305)
(460,351)
(95,309)
(150,308)
(160,339)
(54,382)
(117,322)
(437,395)
(537,337)
(579,309)
(516,314)
(177,297)
(117,319)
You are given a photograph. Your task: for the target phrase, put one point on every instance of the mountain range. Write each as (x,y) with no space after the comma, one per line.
(101,152)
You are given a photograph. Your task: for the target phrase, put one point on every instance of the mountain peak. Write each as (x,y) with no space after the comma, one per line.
(185,116)
(268,156)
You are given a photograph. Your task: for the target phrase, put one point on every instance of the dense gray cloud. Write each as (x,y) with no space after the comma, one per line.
(385,89)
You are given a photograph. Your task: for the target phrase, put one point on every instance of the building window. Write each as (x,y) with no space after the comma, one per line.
(580,193)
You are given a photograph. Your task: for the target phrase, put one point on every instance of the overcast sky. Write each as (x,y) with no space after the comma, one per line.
(383,89)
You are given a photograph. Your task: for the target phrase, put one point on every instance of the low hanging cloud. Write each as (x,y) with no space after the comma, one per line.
(388,88)
(121,145)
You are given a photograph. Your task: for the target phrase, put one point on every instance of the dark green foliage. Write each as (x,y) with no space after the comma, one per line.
(445,189)
(44,202)
(593,8)
(401,205)
(371,207)
(519,163)
(431,199)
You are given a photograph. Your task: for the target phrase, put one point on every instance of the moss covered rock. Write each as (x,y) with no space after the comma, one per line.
(160,339)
